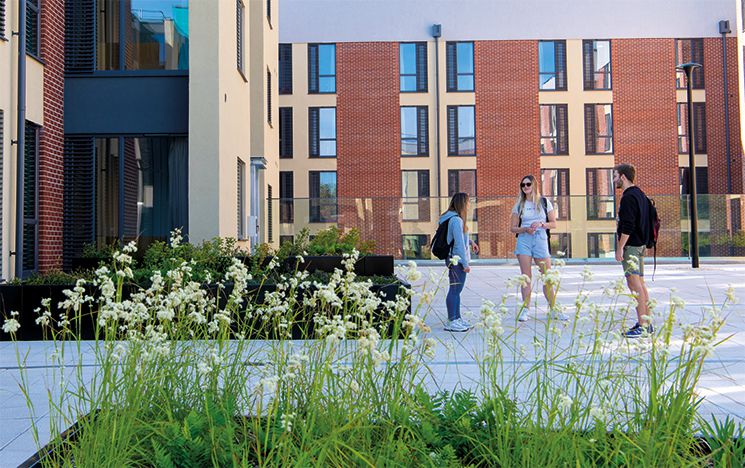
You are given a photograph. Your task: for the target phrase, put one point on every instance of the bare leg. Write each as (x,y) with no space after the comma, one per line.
(525,269)
(545,264)
(637,286)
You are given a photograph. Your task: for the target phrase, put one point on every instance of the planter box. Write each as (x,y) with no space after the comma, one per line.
(369,265)
(87,263)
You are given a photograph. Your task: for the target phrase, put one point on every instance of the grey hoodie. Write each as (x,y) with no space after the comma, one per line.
(455,233)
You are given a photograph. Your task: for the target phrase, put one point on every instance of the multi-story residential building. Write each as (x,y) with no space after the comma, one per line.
(388,108)
(141,116)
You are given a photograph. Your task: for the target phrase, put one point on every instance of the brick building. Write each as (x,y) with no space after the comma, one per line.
(386,112)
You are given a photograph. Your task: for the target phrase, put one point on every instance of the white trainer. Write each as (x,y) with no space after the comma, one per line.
(524,315)
(455,326)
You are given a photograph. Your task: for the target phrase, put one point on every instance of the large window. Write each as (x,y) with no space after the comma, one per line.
(463,180)
(699,127)
(598,128)
(601,245)
(155,35)
(413,67)
(33,28)
(268,97)
(461,131)
(30,199)
(285,69)
(286,197)
(322,191)
(555,186)
(689,50)
(322,132)
(554,129)
(414,131)
(415,195)
(552,64)
(241,199)
(239,33)
(596,60)
(141,188)
(561,244)
(702,188)
(285,132)
(2,19)
(601,195)
(460,74)
(321,68)
(416,246)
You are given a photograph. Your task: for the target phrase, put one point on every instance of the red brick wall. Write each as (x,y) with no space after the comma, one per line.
(368,151)
(51,180)
(507,124)
(645,125)
(715,141)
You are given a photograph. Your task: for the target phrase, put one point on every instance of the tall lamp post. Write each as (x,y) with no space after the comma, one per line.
(693,210)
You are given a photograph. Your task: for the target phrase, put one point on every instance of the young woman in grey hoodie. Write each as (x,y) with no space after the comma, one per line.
(458,260)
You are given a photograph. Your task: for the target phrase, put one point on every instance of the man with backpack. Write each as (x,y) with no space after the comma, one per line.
(634,233)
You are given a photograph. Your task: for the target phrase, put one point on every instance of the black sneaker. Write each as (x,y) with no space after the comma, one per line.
(637,331)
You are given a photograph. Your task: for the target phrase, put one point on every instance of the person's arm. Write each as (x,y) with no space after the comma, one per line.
(619,247)
(516,229)
(551,223)
(459,246)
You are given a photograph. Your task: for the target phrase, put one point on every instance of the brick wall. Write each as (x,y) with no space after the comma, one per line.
(368,151)
(51,145)
(645,125)
(507,123)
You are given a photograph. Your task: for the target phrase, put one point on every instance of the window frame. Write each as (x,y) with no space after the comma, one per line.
(421,83)
(561,201)
(422,240)
(314,66)
(241,195)
(286,136)
(318,137)
(286,197)
(316,204)
(699,141)
(596,235)
(284,81)
(598,199)
(420,200)
(559,71)
(696,46)
(33,9)
(591,69)
(456,138)
(33,221)
(239,32)
(592,136)
(562,134)
(453,73)
(421,142)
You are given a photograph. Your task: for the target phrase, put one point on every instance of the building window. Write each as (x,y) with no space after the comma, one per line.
(269,214)
(699,127)
(561,244)
(286,197)
(415,195)
(601,195)
(268,97)
(414,131)
(413,67)
(2,18)
(598,129)
(461,131)
(323,204)
(702,188)
(322,132)
(460,75)
(155,37)
(555,187)
(596,58)
(285,69)
(554,129)
(285,132)
(416,246)
(321,68)
(601,245)
(463,180)
(241,202)
(239,11)
(552,65)
(689,50)
(30,199)
(33,25)
(285,239)
(269,11)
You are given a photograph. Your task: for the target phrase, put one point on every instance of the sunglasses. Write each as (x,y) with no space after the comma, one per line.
(525,184)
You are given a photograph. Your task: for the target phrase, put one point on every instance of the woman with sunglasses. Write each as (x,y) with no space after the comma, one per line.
(531,216)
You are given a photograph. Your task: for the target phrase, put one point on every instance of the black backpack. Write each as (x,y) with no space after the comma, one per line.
(440,247)
(653,230)
(544,202)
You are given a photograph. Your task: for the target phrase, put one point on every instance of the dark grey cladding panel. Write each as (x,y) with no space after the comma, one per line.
(127,104)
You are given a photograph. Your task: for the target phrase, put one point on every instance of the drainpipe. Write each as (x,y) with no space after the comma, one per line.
(724,29)
(21,136)
(436,33)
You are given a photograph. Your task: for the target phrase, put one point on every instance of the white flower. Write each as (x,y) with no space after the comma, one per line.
(587,273)
(560,253)
(176,237)
(454,259)
(597,412)
(286,421)
(677,302)
(565,402)
(11,325)
(354,386)
(730,293)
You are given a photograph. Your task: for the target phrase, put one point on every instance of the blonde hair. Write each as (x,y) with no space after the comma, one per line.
(459,204)
(535,196)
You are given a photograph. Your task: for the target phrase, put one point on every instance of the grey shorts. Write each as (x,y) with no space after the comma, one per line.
(635,265)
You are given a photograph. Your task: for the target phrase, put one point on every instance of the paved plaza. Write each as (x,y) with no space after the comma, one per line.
(722,383)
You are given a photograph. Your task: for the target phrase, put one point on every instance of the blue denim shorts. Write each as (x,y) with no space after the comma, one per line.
(534,245)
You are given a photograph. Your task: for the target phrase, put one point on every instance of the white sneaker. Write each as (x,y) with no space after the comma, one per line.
(524,315)
(464,323)
(558,313)
(455,326)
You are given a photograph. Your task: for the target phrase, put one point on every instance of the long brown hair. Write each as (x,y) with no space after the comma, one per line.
(535,195)
(459,204)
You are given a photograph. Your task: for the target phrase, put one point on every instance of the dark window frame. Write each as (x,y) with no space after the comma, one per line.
(286,137)
(269,97)
(314,68)
(696,48)
(452,73)
(33,16)
(561,115)
(241,195)
(314,137)
(560,200)
(420,74)
(595,243)
(2,19)
(591,130)
(588,65)
(284,82)
(560,66)
(239,39)
(454,140)
(316,202)
(286,197)
(32,137)
(421,200)
(699,127)
(421,139)
(594,200)
(423,242)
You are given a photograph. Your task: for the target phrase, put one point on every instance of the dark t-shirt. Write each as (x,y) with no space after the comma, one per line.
(633,216)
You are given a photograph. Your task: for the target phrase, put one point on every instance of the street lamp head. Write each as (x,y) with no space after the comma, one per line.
(688,67)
